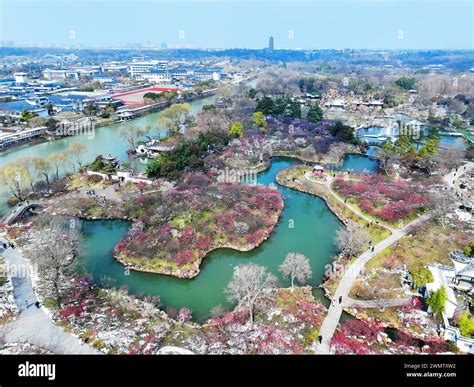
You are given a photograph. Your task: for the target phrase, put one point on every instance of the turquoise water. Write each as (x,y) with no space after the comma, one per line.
(306,226)
(444,140)
(312,234)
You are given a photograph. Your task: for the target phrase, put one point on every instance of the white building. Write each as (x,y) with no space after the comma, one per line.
(156,76)
(140,67)
(54,75)
(10,138)
(337,104)
(459,277)
(20,77)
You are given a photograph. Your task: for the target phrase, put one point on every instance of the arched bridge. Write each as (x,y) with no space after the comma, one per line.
(20,211)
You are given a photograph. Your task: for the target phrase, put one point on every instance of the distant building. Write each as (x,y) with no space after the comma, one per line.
(11,138)
(270,45)
(156,76)
(55,75)
(20,77)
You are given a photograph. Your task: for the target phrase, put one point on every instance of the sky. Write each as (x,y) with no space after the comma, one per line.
(305,24)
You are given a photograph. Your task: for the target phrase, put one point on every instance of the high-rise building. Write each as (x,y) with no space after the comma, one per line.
(270,45)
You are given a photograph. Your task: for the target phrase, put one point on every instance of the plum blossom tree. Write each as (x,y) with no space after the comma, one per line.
(296,266)
(249,286)
(351,240)
(441,204)
(56,252)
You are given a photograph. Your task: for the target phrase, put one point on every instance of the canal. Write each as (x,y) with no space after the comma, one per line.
(105,140)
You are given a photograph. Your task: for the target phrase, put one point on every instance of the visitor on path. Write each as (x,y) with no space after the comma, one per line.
(334,302)
(320,339)
(26,303)
(5,246)
(37,304)
(373,248)
(340,299)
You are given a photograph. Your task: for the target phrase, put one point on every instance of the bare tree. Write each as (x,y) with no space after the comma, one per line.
(351,240)
(296,266)
(441,203)
(56,251)
(249,286)
(75,153)
(449,158)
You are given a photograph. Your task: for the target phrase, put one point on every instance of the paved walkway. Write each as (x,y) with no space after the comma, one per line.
(331,321)
(33,324)
(345,285)
(455,175)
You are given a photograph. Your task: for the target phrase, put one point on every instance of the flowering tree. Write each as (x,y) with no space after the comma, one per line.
(351,240)
(250,284)
(296,266)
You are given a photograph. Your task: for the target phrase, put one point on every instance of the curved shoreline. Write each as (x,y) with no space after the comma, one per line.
(196,265)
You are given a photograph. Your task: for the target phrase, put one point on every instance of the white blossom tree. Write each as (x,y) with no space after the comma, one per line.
(249,286)
(56,252)
(351,240)
(442,203)
(296,266)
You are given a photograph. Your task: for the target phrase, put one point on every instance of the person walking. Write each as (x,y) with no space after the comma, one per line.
(340,299)
(26,303)
(320,339)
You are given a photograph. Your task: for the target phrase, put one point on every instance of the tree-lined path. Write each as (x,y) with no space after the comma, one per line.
(331,321)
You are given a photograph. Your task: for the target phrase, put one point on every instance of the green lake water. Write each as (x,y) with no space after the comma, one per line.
(306,226)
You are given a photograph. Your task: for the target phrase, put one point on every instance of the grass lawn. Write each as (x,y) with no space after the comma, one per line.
(431,243)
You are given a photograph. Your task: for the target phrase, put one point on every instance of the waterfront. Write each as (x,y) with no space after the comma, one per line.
(106,140)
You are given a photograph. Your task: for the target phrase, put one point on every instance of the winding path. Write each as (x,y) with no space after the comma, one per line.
(327,183)
(33,324)
(329,324)
(331,321)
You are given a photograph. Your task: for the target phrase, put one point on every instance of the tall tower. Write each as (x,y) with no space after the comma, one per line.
(270,45)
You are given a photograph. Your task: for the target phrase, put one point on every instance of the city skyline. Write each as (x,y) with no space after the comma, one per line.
(239,24)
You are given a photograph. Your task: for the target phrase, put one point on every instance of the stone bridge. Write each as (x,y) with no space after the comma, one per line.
(20,211)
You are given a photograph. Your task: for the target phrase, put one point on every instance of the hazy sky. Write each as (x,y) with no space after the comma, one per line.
(241,23)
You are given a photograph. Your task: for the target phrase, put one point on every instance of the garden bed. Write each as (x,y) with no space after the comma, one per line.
(396,202)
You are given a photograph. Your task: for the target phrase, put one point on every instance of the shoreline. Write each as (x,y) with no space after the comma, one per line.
(195,268)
